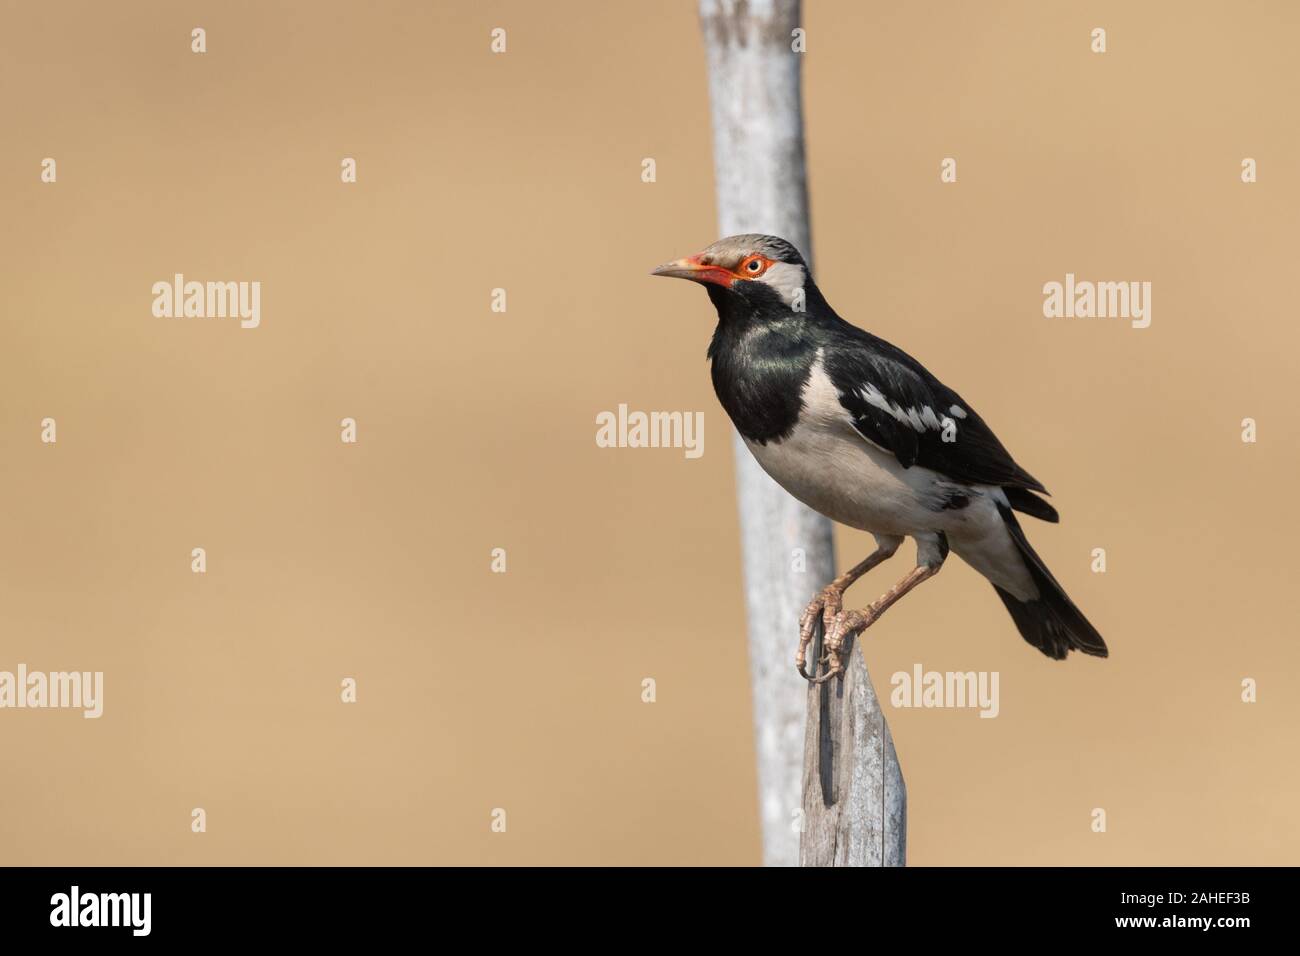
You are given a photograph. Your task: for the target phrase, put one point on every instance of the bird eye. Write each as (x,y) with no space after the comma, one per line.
(756,265)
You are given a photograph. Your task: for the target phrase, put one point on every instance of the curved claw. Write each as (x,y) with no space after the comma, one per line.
(835,672)
(823,607)
(837,668)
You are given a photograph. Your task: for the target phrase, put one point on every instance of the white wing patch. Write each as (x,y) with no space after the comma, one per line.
(921,419)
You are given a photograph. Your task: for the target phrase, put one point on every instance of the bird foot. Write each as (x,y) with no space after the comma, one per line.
(842,626)
(825,606)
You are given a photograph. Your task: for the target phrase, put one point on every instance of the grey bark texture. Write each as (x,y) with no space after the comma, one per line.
(854,800)
(788,551)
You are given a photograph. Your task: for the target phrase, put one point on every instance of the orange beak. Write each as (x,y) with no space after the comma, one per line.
(691,268)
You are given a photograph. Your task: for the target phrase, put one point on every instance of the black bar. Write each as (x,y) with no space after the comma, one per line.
(208,905)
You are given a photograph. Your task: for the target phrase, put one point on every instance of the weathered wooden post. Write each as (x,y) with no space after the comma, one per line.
(755,58)
(854,799)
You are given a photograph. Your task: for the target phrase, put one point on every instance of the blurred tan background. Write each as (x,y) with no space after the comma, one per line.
(476,430)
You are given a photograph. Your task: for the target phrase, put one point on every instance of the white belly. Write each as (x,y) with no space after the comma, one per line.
(855,483)
(851,481)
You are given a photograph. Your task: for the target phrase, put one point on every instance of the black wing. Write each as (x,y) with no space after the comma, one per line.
(896,404)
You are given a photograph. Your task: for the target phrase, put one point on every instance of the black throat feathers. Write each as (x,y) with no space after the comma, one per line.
(762,355)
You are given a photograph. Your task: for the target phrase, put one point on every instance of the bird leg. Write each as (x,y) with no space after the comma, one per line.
(829,601)
(931,552)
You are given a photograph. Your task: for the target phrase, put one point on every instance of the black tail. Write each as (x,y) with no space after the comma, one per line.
(1023,500)
(1051,623)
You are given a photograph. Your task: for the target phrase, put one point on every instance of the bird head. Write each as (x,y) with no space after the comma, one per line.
(752,267)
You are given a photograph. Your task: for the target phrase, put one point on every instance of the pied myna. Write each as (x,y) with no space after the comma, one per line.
(859,431)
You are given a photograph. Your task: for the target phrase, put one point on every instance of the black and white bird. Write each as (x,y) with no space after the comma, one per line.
(858,430)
